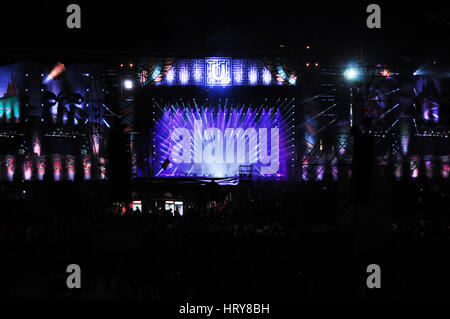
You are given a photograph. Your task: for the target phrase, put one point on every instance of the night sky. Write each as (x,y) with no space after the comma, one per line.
(410,33)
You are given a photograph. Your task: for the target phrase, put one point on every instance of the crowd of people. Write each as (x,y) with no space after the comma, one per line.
(237,253)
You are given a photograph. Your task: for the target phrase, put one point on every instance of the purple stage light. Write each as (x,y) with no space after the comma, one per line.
(216,142)
(219,72)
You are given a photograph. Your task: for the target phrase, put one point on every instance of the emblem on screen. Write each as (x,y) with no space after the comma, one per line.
(218,71)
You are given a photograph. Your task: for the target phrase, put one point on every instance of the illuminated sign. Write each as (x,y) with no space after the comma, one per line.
(137,204)
(218,72)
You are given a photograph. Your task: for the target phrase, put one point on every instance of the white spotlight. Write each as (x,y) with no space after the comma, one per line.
(128,84)
(351,73)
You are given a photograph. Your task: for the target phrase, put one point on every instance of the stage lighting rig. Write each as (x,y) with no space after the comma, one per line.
(356,73)
(128,84)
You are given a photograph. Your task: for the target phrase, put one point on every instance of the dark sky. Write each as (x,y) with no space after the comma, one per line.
(409,29)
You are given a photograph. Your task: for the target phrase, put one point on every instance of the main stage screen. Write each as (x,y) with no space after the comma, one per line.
(191,139)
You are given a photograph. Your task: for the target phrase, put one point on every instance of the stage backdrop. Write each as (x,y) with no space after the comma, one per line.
(217,138)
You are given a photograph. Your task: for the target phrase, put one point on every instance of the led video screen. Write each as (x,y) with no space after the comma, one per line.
(218,141)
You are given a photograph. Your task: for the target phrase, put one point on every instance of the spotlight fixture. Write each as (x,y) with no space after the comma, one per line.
(386,73)
(55,72)
(351,74)
(128,84)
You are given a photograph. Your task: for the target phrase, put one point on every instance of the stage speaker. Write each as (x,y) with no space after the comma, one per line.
(362,168)
(119,166)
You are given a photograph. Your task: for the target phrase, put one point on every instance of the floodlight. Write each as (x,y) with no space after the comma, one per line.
(128,84)
(351,73)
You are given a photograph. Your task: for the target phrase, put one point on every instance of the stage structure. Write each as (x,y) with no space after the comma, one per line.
(410,133)
(326,148)
(213,116)
(47,124)
(217,72)
(217,117)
